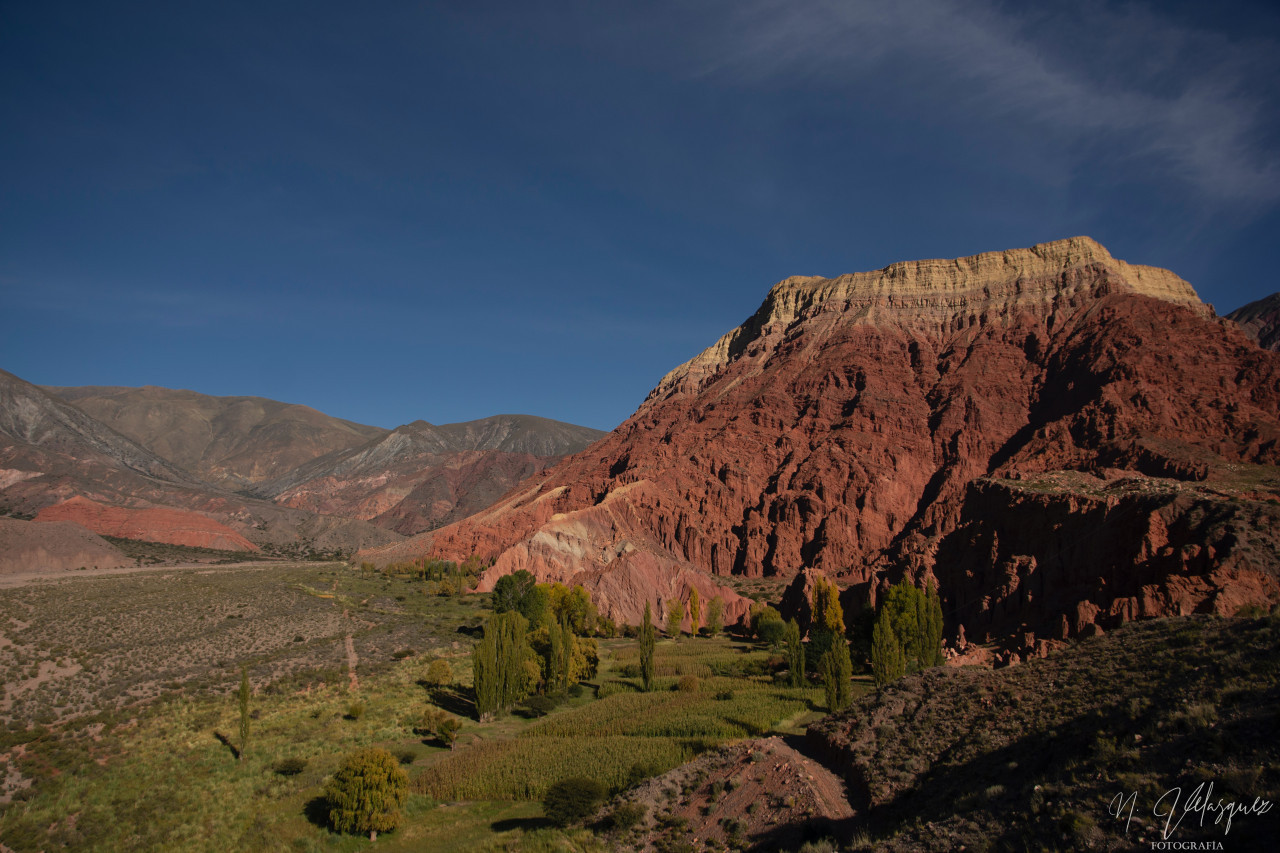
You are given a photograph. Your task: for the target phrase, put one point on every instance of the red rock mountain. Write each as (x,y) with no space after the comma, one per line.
(913,420)
(154,524)
(1261,321)
(420,476)
(232,442)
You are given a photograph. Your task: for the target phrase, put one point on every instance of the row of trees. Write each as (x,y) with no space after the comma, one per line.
(907,635)
(536,640)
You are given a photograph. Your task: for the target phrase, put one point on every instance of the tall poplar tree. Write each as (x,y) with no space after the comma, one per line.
(695,612)
(888,662)
(837,671)
(648,638)
(795,655)
(500,674)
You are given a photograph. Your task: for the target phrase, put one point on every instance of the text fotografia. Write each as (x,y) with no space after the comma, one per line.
(1173,810)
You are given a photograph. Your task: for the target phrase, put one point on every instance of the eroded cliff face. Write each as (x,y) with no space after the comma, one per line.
(841,427)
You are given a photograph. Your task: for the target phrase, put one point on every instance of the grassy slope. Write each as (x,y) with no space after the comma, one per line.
(151,772)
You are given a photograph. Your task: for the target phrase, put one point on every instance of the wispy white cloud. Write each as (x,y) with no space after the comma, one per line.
(1155,96)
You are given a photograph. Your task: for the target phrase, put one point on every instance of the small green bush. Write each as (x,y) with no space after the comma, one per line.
(687,684)
(290,766)
(627,815)
(571,800)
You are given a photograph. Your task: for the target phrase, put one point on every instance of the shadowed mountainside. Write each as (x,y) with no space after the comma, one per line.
(1261,321)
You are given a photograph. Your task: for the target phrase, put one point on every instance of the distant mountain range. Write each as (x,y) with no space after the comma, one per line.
(420,476)
(232,442)
(125,453)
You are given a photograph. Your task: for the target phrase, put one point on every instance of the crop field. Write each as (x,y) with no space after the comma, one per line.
(626,733)
(121,726)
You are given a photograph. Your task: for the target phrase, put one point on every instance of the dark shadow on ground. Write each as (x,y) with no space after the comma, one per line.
(226,741)
(316,811)
(524,823)
(458,702)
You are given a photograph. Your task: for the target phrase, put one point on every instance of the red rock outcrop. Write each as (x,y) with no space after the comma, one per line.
(26,546)
(155,524)
(841,426)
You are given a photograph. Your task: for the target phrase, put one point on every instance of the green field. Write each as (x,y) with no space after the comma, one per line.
(157,770)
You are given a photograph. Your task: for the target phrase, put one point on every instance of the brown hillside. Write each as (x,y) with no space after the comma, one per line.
(228,441)
(26,546)
(50,451)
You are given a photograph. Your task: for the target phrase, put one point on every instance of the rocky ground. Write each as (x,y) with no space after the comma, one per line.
(759,792)
(1032,756)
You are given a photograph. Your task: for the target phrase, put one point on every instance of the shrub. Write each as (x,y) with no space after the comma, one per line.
(687,684)
(355,711)
(367,793)
(571,800)
(290,766)
(439,673)
(627,815)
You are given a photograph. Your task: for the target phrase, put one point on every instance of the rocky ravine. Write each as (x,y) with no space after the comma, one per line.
(844,425)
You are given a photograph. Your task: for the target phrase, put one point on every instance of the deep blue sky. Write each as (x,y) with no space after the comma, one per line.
(392,211)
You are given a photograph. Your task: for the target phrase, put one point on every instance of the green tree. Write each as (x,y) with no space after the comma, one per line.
(571,800)
(837,670)
(675,615)
(695,612)
(648,639)
(715,616)
(535,606)
(888,661)
(933,628)
(442,724)
(244,711)
(510,590)
(367,793)
(795,655)
(501,673)
(916,618)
